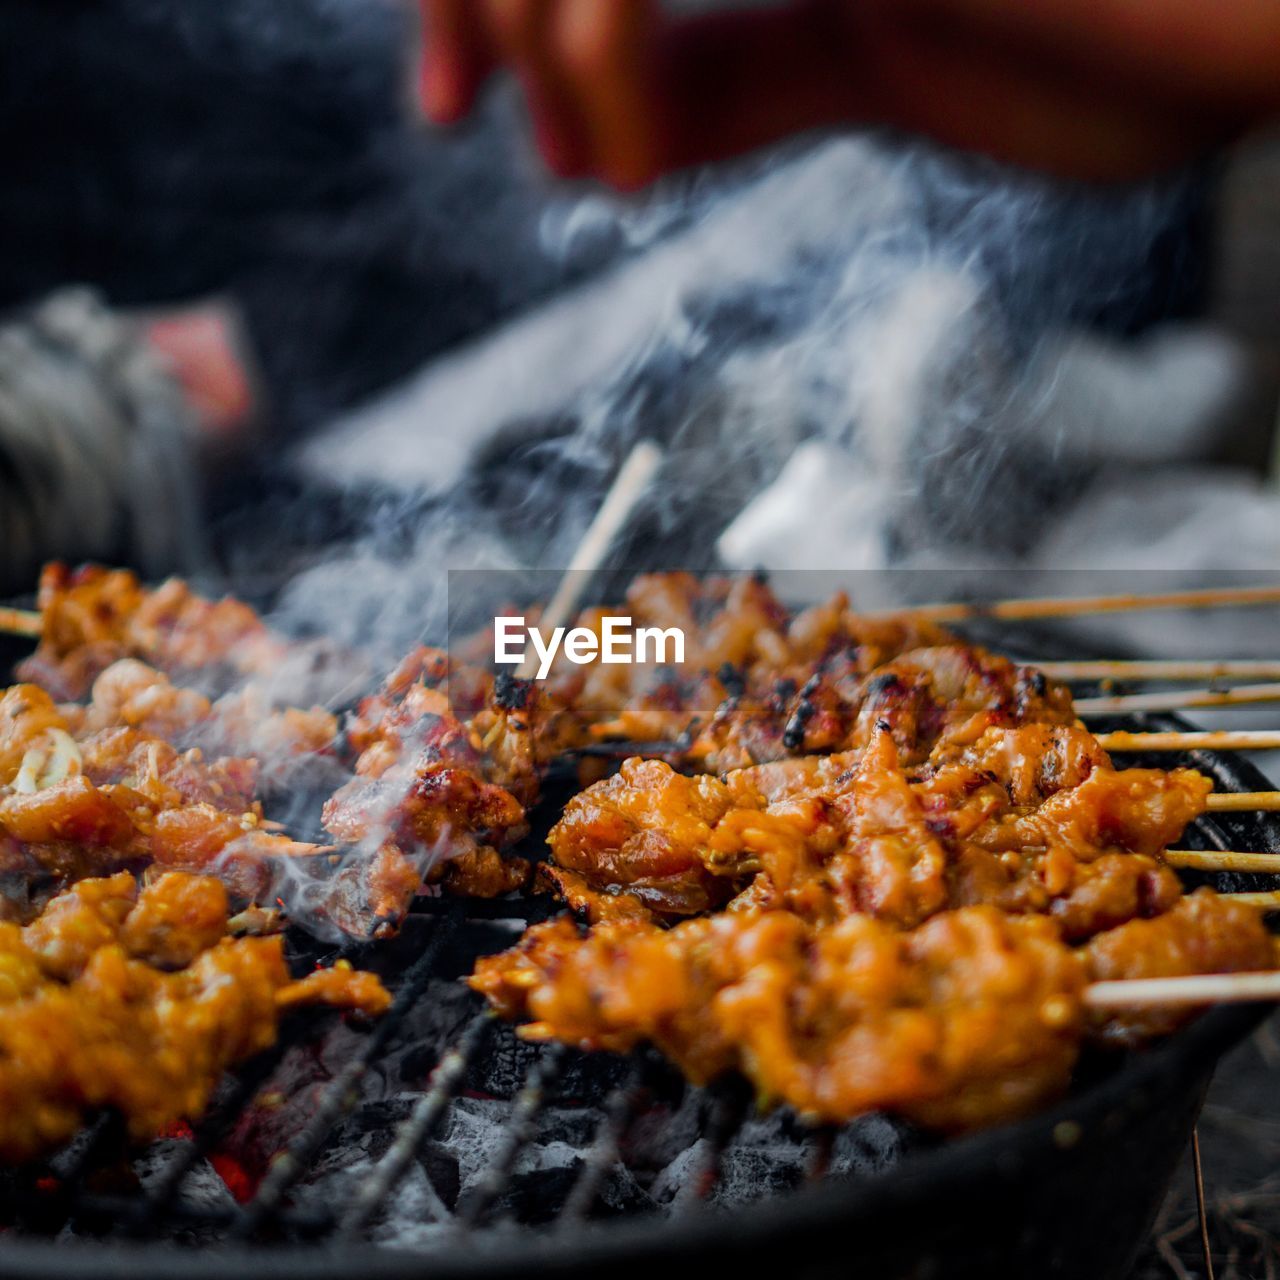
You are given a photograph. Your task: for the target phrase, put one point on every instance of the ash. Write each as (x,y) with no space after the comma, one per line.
(664,1149)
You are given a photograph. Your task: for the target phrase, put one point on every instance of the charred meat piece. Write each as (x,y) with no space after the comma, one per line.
(971,1019)
(825,837)
(138,1002)
(1202,933)
(647,831)
(94,616)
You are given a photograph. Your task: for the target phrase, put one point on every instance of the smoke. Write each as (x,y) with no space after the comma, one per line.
(851,350)
(869,295)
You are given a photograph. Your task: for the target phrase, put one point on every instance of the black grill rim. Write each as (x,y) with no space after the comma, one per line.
(1187,1058)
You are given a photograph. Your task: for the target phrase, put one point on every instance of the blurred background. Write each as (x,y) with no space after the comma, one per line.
(260,316)
(260,324)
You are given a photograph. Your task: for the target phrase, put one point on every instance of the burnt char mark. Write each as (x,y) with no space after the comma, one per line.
(882,684)
(793,734)
(510,693)
(1030,685)
(733,679)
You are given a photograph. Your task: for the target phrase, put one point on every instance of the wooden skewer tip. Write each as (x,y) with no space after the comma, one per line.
(1224,988)
(1069,606)
(1222,860)
(1243,802)
(20,622)
(620,502)
(1193,740)
(1174,700)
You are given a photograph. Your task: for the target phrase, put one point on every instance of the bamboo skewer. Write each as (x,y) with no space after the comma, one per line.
(1243,802)
(1193,740)
(626,491)
(20,622)
(646,454)
(1267,899)
(1075,606)
(1161,669)
(1211,988)
(1222,860)
(1175,700)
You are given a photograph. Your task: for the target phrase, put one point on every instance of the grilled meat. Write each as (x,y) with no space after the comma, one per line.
(972,1018)
(93,617)
(139,1002)
(829,836)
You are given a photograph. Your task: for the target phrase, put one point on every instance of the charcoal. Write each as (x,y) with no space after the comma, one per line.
(682,1170)
(412,1220)
(202,1184)
(661,1134)
(747,1173)
(869,1145)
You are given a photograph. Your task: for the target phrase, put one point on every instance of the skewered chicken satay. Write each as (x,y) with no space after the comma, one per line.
(73,828)
(120,798)
(289,748)
(946,694)
(825,837)
(1203,933)
(94,616)
(436,799)
(757,684)
(137,1001)
(970,1019)
(647,832)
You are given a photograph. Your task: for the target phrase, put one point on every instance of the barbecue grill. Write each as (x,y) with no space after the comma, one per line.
(435,1139)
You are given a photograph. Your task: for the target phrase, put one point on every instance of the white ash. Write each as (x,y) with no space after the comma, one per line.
(201,1185)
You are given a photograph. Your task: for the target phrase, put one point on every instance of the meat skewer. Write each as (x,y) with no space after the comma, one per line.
(138,1000)
(28,622)
(1190,859)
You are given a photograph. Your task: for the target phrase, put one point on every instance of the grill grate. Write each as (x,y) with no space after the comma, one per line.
(343,1095)
(162,1209)
(76,1191)
(425,1120)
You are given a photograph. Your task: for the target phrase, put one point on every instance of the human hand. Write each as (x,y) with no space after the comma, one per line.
(1098,89)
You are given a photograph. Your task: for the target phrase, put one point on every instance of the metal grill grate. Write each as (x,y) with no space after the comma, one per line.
(70,1192)
(76,1190)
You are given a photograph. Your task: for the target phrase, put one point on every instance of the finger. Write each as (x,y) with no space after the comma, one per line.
(458,53)
(522,30)
(605,55)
